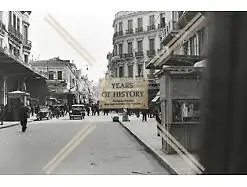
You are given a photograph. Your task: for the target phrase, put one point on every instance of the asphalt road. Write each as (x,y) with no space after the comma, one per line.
(95,145)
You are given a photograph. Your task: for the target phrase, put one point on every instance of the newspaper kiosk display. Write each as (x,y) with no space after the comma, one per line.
(180,96)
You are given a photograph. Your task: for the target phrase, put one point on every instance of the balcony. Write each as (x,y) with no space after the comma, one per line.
(116,34)
(139,54)
(129,55)
(161,26)
(151,27)
(166,39)
(185,18)
(151,53)
(129,31)
(122,55)
(15,34)
(140,29)
(27,44)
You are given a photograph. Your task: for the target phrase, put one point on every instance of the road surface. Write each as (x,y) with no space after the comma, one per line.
(95,145)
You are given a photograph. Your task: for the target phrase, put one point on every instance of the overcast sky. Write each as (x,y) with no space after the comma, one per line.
(94,33)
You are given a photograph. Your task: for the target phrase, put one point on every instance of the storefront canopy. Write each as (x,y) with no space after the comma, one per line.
(13,66)
(18,93)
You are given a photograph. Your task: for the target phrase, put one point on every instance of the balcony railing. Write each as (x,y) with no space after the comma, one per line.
(120,33)
(185,18)
(151,53)
(122,55)
(129,31)
(116,34)
(139,54)
(140,29)
(15,34)
(151,27)
(129,55)
(27,44)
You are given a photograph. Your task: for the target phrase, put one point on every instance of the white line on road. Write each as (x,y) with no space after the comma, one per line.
(70,149)
(71,142)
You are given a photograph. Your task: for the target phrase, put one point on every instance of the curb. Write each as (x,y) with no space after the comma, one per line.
(12,125)
(153,153)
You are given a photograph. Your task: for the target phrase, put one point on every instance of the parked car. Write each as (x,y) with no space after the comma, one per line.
(77,111)
(44,112)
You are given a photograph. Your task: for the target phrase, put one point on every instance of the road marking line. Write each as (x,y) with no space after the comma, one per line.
(73,147)
(71,142)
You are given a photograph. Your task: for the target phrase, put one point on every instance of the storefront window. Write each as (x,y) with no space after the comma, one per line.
(186,110)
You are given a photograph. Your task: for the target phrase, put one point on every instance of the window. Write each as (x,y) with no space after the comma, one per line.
(151,44)
(115,50)
(121,71)
(51,75)
(120,49)
(26,58)
(162,22)
(185,46)
(130,25)
(116,70)
(140,70)
(139,23)
(120,26)
(130,70)
(18,24)
(1,42)
(151,20)
(25,33)
(130,47)
(10,18)
(60,75)
(201,40)
(14,21)
(193,45)
(140,46)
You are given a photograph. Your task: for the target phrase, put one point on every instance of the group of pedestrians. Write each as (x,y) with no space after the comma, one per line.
(94,108)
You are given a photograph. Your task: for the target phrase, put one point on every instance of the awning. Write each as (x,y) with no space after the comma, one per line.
(17,92)
(181,60)
(12,65)
(202,63)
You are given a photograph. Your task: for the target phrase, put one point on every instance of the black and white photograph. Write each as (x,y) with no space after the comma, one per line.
(124,92)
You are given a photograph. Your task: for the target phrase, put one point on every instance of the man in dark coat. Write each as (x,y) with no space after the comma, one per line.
(23,115)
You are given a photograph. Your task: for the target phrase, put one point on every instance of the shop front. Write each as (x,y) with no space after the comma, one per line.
(180,99)
(21,84)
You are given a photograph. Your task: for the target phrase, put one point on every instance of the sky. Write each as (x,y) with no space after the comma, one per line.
(94,33)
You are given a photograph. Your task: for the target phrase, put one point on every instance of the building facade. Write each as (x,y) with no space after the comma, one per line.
(65,81)
(16,74)
(136,40)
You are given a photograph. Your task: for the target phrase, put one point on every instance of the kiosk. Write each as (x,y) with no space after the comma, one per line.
(180,90)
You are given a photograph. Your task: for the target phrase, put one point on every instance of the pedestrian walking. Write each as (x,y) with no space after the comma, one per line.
(144,115)
(1,114)
(23,115)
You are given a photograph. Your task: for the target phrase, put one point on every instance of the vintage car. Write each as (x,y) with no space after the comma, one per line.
(77,111)
(44,112)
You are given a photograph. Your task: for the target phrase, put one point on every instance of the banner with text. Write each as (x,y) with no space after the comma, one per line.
(124,93)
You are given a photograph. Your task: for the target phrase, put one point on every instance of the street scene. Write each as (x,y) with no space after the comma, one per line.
(138,116)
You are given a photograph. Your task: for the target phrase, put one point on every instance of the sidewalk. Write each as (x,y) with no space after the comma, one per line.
(146,134)
(7,124)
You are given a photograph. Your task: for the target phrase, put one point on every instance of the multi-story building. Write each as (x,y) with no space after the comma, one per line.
(16,73)
(183,41)
(136,40)
(64,79)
